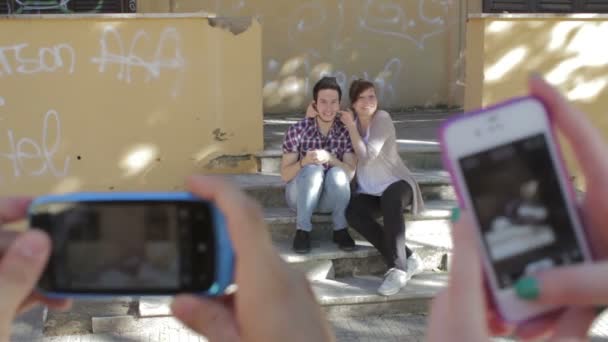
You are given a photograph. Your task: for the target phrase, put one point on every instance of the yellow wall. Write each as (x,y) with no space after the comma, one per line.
(569,51)
(138,103)
(412,48)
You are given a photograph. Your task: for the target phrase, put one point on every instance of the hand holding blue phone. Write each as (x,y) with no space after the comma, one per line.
(271,303)
(133,244)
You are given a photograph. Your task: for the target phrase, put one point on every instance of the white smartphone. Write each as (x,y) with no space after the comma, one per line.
(507,170)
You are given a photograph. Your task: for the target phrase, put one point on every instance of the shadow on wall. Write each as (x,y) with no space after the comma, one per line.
(569,53)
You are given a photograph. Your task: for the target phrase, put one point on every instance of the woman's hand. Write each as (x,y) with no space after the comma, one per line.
(348,119)
(464,311)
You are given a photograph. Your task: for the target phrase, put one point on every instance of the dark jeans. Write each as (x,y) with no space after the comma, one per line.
(364,210)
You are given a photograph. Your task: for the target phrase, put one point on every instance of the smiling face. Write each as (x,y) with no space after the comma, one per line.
(328,103)
(366,103)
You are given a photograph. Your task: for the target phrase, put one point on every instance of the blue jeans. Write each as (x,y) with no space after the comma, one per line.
(314,190)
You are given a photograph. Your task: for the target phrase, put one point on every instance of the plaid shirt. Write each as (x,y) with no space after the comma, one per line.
(305,135)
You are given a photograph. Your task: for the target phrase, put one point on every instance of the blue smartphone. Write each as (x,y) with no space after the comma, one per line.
(133,244)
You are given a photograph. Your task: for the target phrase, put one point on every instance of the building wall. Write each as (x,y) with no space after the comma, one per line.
(113,103)
(413,49)
(568,50)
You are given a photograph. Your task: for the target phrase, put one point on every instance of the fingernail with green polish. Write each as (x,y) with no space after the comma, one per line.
(527,288)
(455,214)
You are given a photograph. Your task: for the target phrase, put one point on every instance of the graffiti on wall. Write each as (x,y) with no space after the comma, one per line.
(24,155)
(340,28)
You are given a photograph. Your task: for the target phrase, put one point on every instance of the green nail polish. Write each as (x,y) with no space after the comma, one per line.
(527,288)
(455,214)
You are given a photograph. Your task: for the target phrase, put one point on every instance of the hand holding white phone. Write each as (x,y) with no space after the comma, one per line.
(507,169)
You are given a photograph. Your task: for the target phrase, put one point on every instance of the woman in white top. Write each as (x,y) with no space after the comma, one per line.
(385,186)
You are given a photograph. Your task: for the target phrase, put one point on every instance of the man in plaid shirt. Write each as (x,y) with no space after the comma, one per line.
(318,164)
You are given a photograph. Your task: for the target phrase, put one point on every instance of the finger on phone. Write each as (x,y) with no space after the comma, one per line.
(52,303)
(563,285)
(60,304)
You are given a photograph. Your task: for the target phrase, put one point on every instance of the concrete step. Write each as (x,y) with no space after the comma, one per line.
(428,234)
(269,189)
(282,221)
(29,326)
(357,296)
(365,259)
(80,318)
(347,297)
(327,261)
(417,157)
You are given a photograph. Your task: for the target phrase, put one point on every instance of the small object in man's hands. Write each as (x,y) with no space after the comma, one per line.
(323,156)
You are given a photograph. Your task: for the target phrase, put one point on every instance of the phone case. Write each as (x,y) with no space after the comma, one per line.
(458,187)
(224,266)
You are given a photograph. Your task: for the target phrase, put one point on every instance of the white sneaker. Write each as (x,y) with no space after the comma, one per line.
(415,265)
(394,280)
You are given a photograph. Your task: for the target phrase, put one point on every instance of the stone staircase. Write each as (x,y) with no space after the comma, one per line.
(344,283)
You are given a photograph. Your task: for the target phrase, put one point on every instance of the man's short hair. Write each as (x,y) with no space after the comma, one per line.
(326,83)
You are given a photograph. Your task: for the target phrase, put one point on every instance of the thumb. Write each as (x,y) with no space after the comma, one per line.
(20,269)
(208,317)
(564,285)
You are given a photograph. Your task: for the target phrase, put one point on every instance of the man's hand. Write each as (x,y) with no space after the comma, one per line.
(309,158)
(333,160)
(316,157)
(322,157)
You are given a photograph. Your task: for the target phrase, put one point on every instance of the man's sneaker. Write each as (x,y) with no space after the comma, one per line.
(343,239)
(414,265)
(301,242)
(394,280)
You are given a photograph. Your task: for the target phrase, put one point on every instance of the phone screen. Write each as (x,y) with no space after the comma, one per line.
(521,209)
(136,247)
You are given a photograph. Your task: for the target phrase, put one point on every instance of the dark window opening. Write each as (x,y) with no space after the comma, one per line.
(67,6)
(545,6)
